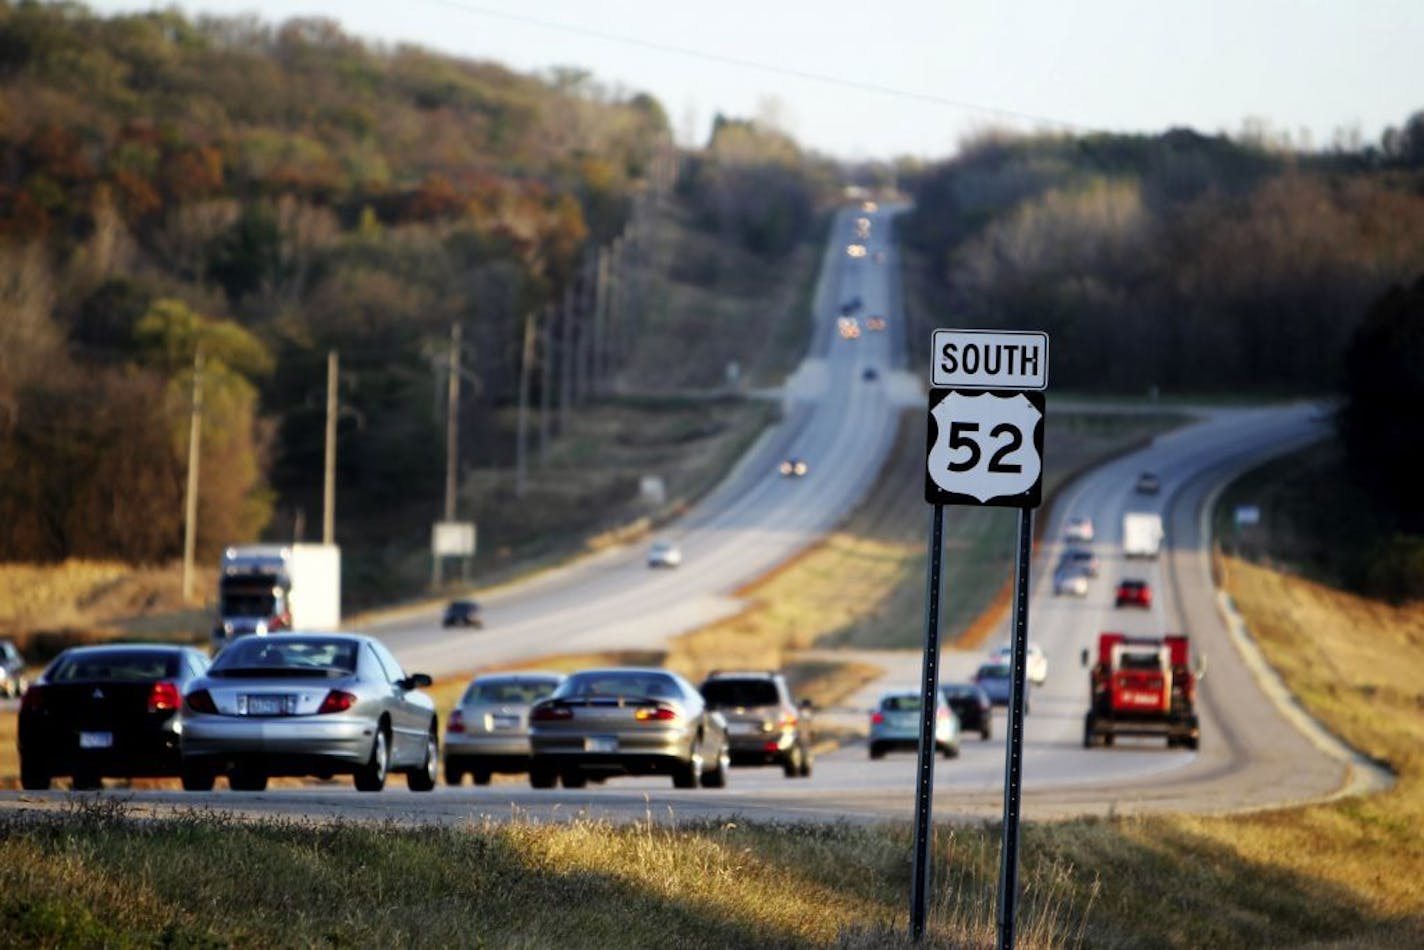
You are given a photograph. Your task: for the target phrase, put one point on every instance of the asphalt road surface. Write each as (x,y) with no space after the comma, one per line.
(1252,754)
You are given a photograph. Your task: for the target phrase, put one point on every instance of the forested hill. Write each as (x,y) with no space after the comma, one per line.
(1179,261)
(265,194)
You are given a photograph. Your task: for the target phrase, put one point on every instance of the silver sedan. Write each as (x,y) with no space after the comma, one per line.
(627,721)
(489,730)
(308,704)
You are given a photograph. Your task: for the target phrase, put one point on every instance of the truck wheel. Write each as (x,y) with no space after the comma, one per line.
(1107,738)
(541,776)
(1192,742)
(1088,736)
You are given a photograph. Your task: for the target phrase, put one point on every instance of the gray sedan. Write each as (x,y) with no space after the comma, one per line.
(627,721)
(308,704)
(489,730)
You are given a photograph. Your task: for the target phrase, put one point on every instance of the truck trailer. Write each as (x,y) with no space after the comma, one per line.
(265,588)
(1142,534)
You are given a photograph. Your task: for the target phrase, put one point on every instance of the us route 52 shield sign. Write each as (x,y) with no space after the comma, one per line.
(985,448)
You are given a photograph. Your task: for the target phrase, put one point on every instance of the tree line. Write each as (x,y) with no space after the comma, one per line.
(266,194)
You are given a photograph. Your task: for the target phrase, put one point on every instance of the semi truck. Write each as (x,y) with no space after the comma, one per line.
(1142,534)
(264,588)
(1143,686)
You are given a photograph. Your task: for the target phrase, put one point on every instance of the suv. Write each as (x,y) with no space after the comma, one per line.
(12,670)
(764,726)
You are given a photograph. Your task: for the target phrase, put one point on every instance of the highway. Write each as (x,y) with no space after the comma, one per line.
(1252,755)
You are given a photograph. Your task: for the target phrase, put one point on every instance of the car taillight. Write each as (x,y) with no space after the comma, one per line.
(654,714)
(336,701)
(33,700)
(200,700)
(164,697)
(456,722)
(551,713)
(788,721)
(877,718)
(941,713)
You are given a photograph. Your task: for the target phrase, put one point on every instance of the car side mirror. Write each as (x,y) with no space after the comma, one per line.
(415,681)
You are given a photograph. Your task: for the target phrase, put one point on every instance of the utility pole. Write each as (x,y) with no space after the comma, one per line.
(566,352)
(600,322)
(521,425)
(452,423)
(190,501)
(328,495)
(546,384)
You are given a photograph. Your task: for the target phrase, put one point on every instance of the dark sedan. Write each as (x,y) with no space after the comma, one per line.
(627,721)
(104,711)
(462,613)
(996,680)
(972,705)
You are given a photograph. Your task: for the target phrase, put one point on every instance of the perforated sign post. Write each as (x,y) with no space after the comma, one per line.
(985,447)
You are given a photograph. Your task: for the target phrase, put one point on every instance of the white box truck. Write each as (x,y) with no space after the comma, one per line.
(1141,534)
(263,588)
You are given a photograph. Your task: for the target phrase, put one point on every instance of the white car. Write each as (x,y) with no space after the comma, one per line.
(1078,529)
(1071,582)
(664,554)
(1036,667)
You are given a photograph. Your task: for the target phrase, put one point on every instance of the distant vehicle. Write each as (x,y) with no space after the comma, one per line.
(1143,686)
(855,250)
(1142,534)
(462,613)
(627,721)
(488,731)
(102,711)
(1078,529)
(1148,484)
(1035,663)
(764,725)
(895,724)
(12,670)
(870,374)
(869,207)
(794,467)
(664,554)
(851,306)
(862,228)
(1082,559)
(265,588)
(972,705)
(1070,581)
(996,679)
(875,324)
(309,704)
(849,328)
(1134,593)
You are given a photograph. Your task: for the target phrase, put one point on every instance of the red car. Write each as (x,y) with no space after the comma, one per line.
(1133,593)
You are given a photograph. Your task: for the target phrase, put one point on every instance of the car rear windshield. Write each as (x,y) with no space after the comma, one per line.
(514,692)
(137,666)
(251,656)
(595,685)
(995,671)
(905,703)
(960,692)
(730,692)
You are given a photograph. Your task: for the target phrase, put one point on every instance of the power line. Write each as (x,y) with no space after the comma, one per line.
(744,63)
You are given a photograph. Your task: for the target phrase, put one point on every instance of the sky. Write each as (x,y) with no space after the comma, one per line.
(877,79)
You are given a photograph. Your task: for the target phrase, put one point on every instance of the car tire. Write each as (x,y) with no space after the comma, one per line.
(34,776)
(986,732)
(717,778)
(688,774)
(573,779)
(197,778)
(1192,742)
(247,779)
(876,751)
(950,751)
(454,772)
(806,759)
(423,779)
(371,777)
(480,776)
(1107,738)
(85,780)
(793,763)
(542,776)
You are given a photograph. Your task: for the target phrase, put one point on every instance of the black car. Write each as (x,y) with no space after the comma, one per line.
(972,705)
(764,725)
(106,711)
(462,613)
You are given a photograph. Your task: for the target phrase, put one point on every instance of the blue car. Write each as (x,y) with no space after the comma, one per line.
(996,679)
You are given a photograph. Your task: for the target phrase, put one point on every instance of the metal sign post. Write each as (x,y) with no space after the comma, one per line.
(985,448)
(924,781)
(1013,758)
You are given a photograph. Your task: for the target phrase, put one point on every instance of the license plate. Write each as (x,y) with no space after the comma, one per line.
(96,740)
(505,722)
(601,744)
(743,728)
(266,705)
